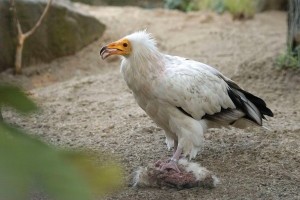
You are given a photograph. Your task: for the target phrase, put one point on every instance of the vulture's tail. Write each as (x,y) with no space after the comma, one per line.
(254,107)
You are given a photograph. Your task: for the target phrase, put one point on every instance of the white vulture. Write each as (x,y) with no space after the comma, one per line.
(184,97)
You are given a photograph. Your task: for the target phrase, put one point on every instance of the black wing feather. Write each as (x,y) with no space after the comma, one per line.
(244,101)
(260,105)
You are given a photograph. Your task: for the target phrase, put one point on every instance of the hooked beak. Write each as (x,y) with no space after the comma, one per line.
(120,47)
(107,51)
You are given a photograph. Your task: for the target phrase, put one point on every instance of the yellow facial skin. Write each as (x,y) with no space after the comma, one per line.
(120,47)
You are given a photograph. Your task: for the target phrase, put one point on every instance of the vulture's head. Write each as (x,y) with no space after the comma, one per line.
(140,43)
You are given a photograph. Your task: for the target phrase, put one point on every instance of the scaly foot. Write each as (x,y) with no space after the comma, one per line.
(171,164)
(168,165)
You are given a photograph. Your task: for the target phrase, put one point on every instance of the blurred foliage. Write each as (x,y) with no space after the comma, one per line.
(185,5)
(214,5)
(238,8)
(290,59)
(14,97)
(27,164)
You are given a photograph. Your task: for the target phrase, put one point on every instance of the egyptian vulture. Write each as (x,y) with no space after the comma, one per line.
(182,96)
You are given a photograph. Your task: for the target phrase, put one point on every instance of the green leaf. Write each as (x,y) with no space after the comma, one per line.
(101,178)
(14,97)
(26,162)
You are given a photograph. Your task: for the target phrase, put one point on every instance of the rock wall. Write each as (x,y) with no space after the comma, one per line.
(140,3)
(62,32)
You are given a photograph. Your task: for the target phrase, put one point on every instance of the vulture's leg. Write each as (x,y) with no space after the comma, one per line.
(175,146)
(173,163)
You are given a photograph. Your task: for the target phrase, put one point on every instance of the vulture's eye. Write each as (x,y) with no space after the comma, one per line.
(125,45)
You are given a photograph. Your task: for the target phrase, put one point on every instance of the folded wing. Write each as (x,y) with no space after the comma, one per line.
(200,91)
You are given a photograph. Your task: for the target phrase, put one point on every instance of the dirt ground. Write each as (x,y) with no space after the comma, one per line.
(86,104)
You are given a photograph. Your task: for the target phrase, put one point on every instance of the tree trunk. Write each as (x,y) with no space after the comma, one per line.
(293,40)
(19,51)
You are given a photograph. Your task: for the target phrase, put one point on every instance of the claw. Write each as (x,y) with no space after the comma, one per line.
(172,165)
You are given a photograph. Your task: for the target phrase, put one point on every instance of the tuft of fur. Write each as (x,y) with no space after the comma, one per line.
(192,175)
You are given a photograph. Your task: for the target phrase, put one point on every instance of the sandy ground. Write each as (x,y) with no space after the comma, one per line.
(85,102)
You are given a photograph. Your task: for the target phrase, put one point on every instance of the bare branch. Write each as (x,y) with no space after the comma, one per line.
(13,7)
(22,36)
(20,32)
(38,23)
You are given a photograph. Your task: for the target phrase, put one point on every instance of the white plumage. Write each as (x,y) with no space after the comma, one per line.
(184,97)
